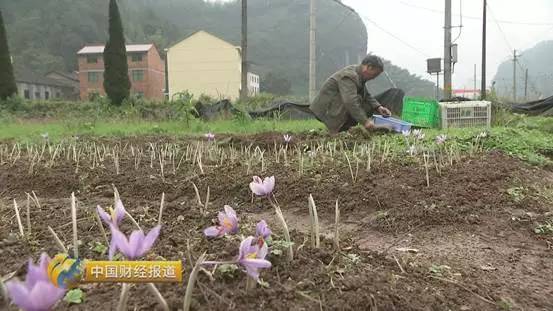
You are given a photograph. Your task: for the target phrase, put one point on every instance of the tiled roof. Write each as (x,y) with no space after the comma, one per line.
(99,49)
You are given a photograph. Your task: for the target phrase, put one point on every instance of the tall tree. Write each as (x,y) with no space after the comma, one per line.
(116,74)
(7,79)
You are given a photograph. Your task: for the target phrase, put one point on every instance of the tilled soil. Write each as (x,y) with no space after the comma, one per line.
(464,243)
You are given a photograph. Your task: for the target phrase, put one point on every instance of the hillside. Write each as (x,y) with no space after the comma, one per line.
(539,63)
(44,35)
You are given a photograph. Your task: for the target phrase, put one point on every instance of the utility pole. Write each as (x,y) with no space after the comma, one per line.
(312,51)
(474,89)
(483,90)
(244,52)
(447,50)
(526,85)
(514,76)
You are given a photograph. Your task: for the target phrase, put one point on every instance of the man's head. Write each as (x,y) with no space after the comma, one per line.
(371,67)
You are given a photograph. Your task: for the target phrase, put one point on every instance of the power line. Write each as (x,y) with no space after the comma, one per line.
(395,37)
(501,30)
(476,17)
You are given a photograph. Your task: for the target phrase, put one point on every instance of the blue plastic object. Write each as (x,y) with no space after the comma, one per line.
(397,124)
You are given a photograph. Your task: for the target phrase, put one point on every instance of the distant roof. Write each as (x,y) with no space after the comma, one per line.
(99,49)
(68,75)
(204,32)
(27,76)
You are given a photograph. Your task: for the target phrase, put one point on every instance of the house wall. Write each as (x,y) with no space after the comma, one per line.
(204,64)
(38,91)
(150,87)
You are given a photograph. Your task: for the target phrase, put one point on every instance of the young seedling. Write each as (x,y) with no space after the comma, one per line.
(161,208)
(74,221)
(426,157)
(59,243)
(315,239)
(28,215)
(280,217)
(191,282)
(336,226)
(19,224)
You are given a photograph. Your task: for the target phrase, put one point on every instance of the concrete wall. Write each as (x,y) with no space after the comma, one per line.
(204,64)
(39,92)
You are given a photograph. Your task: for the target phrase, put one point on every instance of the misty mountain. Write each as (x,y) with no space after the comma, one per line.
(45,34)
(539,62)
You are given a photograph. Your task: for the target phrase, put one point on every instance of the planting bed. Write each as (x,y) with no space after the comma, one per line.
(466,242)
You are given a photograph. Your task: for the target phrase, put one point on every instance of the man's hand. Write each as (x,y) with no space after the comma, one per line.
(384,111)
(369,125)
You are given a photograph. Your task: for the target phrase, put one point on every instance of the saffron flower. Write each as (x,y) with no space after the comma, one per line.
(482,135)
(115,216)
(228,223)
(262,187)
(441,139)
(418,134)
(252,257)
(135,246)
(210,136)
(262,230)
(287,138)
(37,293)
(412,150)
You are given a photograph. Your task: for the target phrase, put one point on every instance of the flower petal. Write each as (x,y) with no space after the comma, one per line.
(118,242)
(256,263)
(119,212)
(230,211)
(212,231)
(245,247)
(257,189)
(105,216)
(149,240)
(36,273)
(262,252)
(19,294)
(257,180)
(269,184)
(44,295)
(135,244)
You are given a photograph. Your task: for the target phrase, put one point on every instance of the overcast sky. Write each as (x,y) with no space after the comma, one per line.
(419,23)
(407,32)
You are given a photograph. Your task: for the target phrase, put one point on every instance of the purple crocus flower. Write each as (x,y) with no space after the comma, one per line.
(210,136)
(440,139)
(228,223)
(37,293)
(287,138)
(135,246)
(262,230)
(262,187)
(115,216)
(252,257)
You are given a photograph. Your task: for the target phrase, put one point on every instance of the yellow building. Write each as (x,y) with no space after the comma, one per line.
(206,64)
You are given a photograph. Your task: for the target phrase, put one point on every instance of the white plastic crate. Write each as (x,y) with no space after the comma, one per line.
(466,114)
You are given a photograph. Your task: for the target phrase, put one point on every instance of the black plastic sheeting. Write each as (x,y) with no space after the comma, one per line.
(542,107)
(392,99)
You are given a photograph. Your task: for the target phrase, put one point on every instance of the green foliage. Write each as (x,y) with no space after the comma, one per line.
(116,74)
(228,270)
(279,246)
(74,296)
(546,228)
(7,79)
(517,193)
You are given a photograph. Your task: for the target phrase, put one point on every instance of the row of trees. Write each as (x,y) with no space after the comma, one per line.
(116,77)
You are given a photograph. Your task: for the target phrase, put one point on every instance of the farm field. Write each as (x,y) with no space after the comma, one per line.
(449,226)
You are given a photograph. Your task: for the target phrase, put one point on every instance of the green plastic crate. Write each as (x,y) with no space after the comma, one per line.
(421,112)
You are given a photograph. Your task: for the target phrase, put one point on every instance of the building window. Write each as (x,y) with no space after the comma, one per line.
(46,95)
(58,94)
(92,59)
(92,76)
(136,57)
(138,75)
(27,94)
(37,95)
